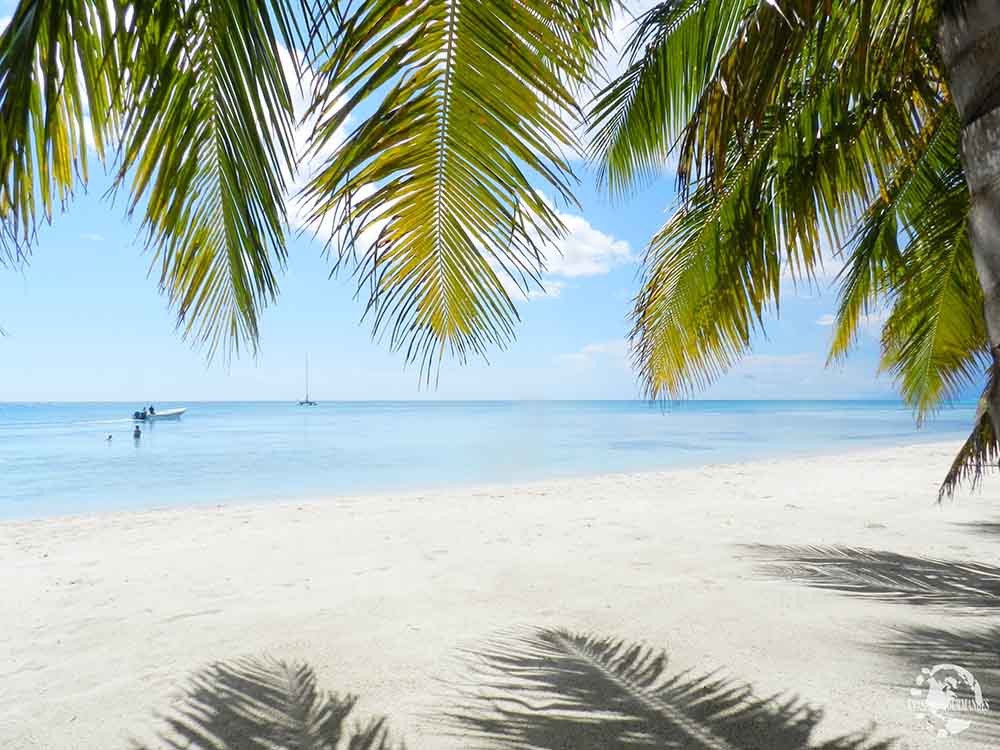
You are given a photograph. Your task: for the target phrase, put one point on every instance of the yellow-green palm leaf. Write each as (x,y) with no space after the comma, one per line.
(438,195)
(59,85)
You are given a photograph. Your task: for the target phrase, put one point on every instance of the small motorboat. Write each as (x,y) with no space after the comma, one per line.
(146,416)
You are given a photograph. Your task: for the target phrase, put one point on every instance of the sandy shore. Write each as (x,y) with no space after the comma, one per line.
(103,617)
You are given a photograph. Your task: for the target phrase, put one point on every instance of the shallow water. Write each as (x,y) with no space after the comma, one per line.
(55,459)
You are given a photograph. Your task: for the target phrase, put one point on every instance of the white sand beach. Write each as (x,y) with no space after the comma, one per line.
(103,617)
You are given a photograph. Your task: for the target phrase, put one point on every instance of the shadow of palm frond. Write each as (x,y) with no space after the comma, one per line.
(991,528)
(977,651)
(264,704)
(883,575)
(550,689)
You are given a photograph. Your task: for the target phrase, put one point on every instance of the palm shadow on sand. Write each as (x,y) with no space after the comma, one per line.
(883,575)
(965,588)
(536,688)
(551,689)
(261,703)
(974,649)
(982,528)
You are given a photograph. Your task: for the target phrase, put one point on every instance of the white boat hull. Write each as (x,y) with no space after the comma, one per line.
(168,414)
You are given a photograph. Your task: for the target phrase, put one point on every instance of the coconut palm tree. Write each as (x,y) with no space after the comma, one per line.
(870,128)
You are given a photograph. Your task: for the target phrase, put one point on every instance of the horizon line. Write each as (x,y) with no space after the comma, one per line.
(477,400)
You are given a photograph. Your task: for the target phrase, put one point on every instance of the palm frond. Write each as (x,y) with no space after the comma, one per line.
(59,87)
(709,282)
(935,340)
(799,124)
(432,194)
(862,44)
(925,162)
(257,703)
(672,54)
(554,689)
(208,148)
(716,267)
(883,575)
(981,450)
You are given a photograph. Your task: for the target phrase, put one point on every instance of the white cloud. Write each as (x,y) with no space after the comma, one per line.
(869,324)
(872,322)
(802,375)
(772,361)
(614,352)
(92,237)
(301,85)
(623,28)
(585,251)
(550,288)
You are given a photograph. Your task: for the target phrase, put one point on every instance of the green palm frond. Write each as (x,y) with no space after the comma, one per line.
(874,259)
(860,44)
(715,269)
(208,149)
(671,55)
(797,125)
(59,90)
(261,704)
(980,452)
(551,689)
(935,340)
(432,194)
(712,272)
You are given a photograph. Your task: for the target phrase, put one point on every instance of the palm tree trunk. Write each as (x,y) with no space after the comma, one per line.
(969,41)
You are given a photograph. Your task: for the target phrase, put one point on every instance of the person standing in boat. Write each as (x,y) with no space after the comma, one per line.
(152,411)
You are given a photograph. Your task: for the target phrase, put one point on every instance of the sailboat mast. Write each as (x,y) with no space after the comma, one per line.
(307,377)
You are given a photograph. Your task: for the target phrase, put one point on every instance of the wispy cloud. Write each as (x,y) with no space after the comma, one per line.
(799,375)
(92,237)
(869,324)
(550,288)
(777,360)
(614,351)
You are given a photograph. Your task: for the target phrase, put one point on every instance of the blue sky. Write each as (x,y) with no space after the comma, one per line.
(85,322)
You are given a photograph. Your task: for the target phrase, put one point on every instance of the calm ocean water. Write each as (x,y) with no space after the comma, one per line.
(55,460)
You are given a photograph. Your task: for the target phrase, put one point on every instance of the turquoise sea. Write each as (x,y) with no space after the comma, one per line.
(55,458)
